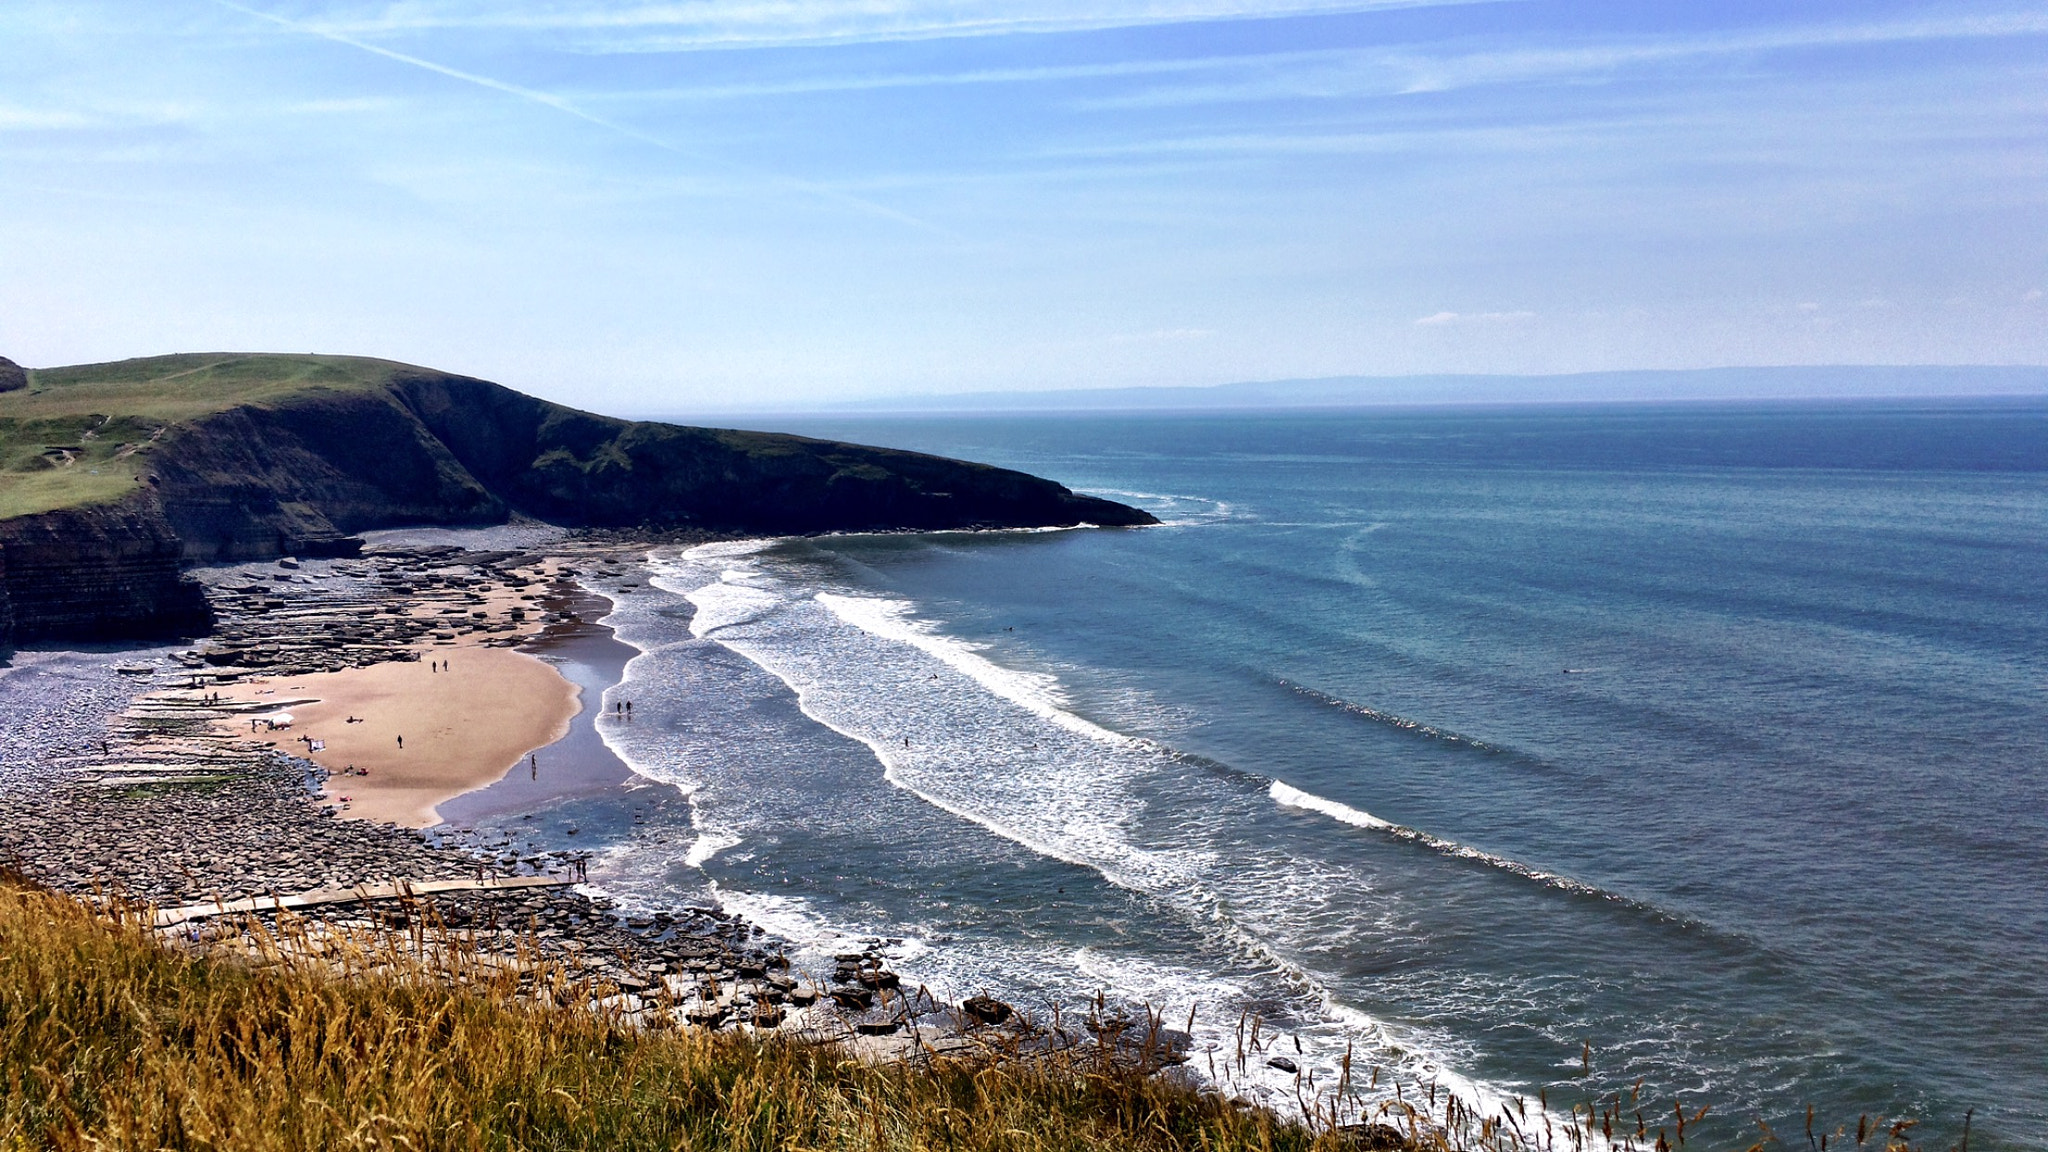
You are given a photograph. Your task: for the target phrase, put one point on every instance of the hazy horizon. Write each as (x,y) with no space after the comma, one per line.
(1760,383)
(719,205)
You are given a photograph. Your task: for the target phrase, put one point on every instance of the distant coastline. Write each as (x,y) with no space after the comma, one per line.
(1648,386)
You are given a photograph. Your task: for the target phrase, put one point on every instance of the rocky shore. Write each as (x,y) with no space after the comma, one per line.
(136,781)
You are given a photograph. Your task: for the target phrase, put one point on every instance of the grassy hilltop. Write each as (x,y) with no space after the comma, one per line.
(81,435)
(90,434)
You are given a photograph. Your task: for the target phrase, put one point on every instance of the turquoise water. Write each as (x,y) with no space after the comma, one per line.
(1712,741)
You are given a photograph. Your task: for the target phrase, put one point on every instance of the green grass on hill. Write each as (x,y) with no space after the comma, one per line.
(77,436)
(109,1041)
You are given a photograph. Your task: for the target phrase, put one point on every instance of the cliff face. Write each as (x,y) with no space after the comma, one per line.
(104,573)
(302,478)
(13,377)
(571,467)
(300,470)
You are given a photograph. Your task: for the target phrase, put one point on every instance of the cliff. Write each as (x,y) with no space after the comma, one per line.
(112,476)
(96,573)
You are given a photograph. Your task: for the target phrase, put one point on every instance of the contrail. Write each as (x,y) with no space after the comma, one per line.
(549,100)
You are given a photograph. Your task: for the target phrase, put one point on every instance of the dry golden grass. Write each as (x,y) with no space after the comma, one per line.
(109,1040)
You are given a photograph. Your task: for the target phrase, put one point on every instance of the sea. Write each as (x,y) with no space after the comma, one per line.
(1667,756)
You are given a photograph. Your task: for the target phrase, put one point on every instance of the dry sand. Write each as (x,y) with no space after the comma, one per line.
(463,729)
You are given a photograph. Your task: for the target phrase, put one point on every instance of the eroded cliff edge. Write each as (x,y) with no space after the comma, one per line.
(295,455)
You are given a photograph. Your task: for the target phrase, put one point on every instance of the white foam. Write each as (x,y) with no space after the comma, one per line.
(707,845)
(726,549)
(1037,692)
(945,723)
(1175,510)
(1004,748)
(1291,797)
(728,603)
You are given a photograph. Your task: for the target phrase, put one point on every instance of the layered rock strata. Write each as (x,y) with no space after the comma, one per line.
(96,573)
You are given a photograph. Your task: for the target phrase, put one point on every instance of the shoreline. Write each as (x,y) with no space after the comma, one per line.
(454,677)
(173,804)
(477,710)
(585,653)
(469,721)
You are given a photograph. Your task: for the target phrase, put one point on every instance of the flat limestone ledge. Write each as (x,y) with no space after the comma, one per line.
(361,893)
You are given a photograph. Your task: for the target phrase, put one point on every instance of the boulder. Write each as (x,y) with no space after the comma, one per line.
(986,1009)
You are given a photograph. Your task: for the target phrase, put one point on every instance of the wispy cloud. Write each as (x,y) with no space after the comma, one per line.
(1446,72)
(567,108)
(660,27)
(1432,139)
(344,106)
(18,119)
(1043,74)
(1354,73)
(1466,319)
(1350,73)
(99,114)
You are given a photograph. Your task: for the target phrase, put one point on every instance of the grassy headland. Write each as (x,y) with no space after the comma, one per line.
(113,476)
(321,430)
(78,436)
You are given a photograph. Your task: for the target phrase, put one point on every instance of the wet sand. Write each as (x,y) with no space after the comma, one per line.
(423,736)
(579,763)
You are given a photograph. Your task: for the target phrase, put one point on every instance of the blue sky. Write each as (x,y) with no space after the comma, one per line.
(702,203)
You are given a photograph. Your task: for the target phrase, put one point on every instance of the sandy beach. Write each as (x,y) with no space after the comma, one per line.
(176,802)
(419,736)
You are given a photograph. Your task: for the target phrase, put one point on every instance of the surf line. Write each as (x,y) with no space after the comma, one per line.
(1192,902)
(1401,723)
(1288,796)
(616,624)
(1183,897)
(1034,694)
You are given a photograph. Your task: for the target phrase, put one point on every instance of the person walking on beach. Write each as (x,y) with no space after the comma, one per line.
(401,742)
